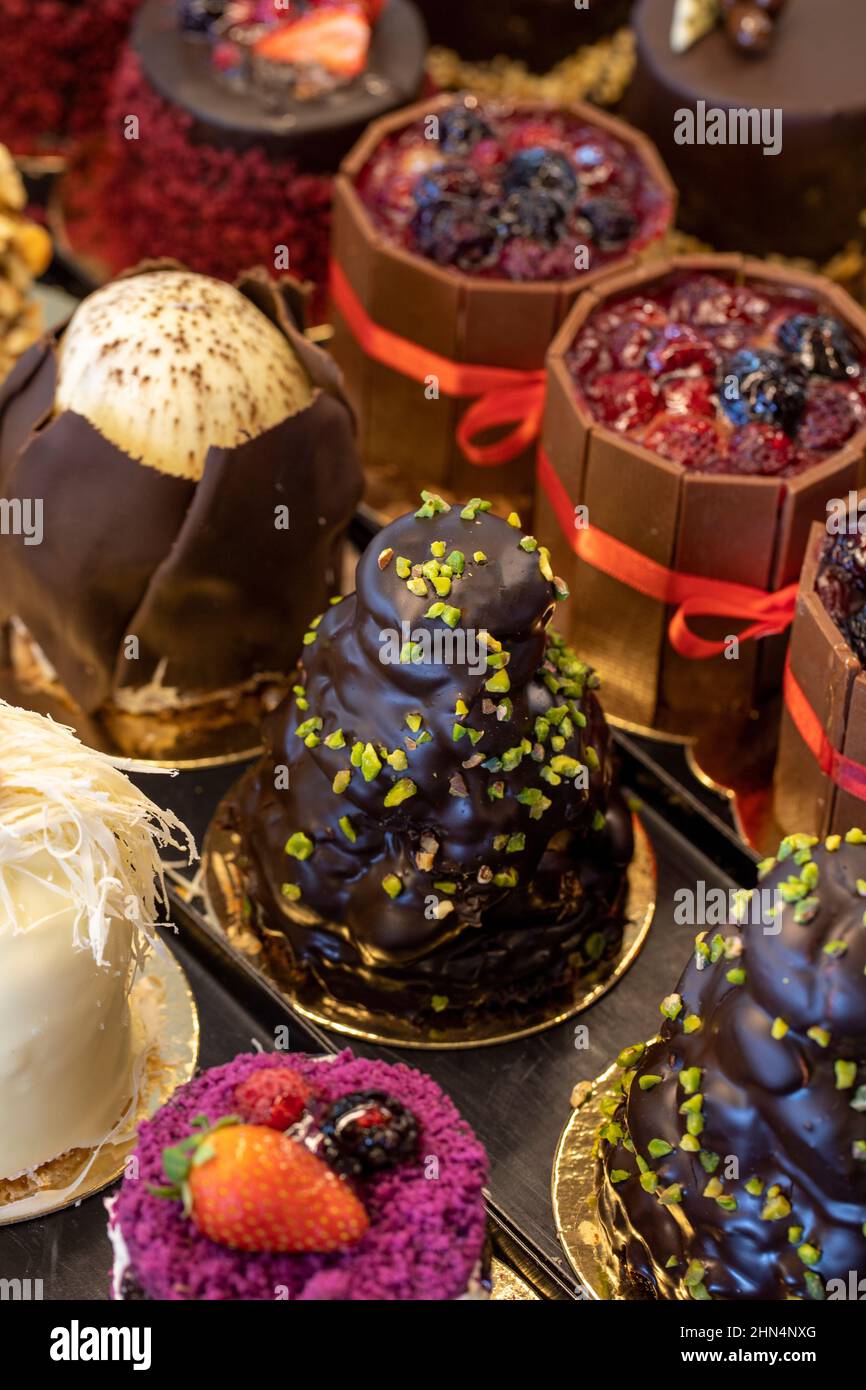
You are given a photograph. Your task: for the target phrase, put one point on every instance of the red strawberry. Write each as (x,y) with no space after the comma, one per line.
(250,1188)
(276,1097)
(335,39)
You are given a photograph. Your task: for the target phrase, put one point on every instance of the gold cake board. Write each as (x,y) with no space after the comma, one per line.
(223,893)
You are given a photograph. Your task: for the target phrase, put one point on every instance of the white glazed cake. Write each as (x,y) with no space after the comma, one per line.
(81,889)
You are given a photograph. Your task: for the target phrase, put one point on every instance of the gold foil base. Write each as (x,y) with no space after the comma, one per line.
(509,1286)
(224,897)
(166,1029)
(573,1193)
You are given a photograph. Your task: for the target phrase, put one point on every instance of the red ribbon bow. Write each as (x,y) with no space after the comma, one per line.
(847,774)
(502,395)
(692,595)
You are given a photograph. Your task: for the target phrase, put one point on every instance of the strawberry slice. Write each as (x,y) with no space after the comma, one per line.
(337,40)
(252,1188)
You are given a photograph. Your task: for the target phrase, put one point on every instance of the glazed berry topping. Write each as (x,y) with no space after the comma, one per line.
(832,415)
(461,129)
(454,225)
(368,1132)
(755,384)
(624,400)
(841,586)
(539,168)
(532,214)
(612,222)
(688,439)
(782,382)
(821,344)
(544,184)
(680,347)
(759,449)
(276,1098)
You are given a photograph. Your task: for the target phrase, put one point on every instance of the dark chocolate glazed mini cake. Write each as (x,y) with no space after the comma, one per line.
(192,461)
(734,1167)
(433,830)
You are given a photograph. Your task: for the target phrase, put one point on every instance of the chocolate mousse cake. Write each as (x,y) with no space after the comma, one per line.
(434,833)
(184,458)
(766,141)
(81,892)
(244,111)
(293,1177)
(58,60)
(732,1155)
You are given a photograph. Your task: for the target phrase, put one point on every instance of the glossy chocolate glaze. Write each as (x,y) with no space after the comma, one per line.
(790,1108)
(215,593)
(491,944)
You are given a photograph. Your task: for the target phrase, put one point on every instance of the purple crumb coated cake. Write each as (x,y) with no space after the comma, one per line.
(427,1225)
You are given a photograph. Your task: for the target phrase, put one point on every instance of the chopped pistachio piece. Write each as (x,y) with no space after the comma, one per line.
(400,792)
(451,616)
(371,763)
(392,885)
(341,781)
(299,845)
(671,1006)
(290,891)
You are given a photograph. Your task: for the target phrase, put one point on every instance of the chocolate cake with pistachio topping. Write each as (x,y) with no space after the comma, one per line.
(433,830)
(732,1164)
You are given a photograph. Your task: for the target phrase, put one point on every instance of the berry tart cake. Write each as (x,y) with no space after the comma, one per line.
(434,834)
(196,468)
(467,228)
(58,58)
(758,108)
(729,397)
(731,1158)
(821,767)
(245,109)
(285,1176)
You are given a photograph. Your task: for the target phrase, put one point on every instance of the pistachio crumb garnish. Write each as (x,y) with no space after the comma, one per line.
(299,845)
(392,885)
(347,828)
(400,792)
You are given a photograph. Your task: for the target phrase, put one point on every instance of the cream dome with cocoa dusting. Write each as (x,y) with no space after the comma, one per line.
(168,364)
